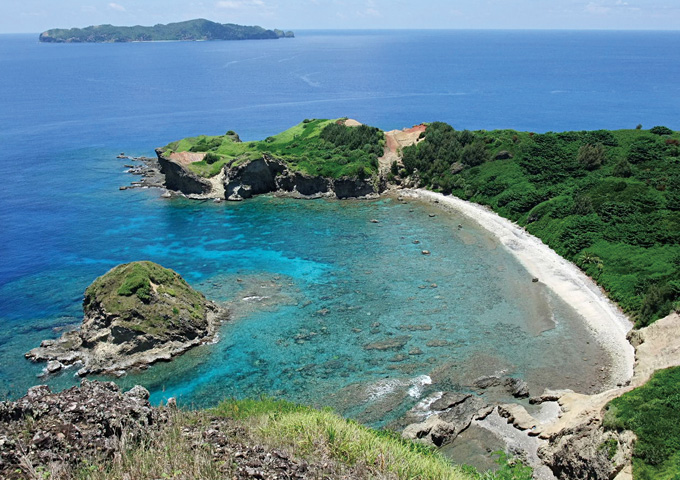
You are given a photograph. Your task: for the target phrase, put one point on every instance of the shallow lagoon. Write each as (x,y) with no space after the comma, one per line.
(330,308)
(68,110)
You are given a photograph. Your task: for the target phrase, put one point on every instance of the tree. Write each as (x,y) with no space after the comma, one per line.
(474,153)
(592,156)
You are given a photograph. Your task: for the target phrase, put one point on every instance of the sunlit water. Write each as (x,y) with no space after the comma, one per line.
(321,281)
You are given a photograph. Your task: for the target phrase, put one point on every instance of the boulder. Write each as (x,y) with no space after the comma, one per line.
(45,428)
(443,428)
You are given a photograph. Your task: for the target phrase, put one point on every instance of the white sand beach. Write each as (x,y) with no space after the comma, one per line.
(607,323)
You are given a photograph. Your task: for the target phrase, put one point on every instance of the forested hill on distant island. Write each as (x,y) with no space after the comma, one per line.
(190,30)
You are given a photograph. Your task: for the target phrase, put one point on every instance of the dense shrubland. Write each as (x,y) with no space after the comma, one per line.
(607,200)
(651,411)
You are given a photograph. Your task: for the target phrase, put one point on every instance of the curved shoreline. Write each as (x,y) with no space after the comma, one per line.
(603,318)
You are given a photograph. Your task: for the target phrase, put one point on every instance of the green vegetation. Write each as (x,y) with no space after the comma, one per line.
(344,448)
(147,297)
(651,411)
(199,29)
(315,147)
(607,200)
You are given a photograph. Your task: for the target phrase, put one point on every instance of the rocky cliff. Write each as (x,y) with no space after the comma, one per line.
(180,179)
(134,315)
(264,175)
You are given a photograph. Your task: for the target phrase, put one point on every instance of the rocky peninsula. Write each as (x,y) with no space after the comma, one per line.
(134,315)
(316,158)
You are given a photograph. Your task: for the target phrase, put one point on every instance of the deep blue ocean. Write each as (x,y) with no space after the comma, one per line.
(334,281)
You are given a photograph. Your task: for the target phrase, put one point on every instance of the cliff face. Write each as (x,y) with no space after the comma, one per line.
(134,315)
(264,175)
(180,179)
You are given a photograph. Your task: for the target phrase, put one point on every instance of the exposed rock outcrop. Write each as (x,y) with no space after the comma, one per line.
(42,427)
(263,175)
(252,178)
(180,179)
(134,315)
(588,452)
(456,412)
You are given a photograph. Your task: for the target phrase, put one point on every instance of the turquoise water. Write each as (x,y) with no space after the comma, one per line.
(321,281)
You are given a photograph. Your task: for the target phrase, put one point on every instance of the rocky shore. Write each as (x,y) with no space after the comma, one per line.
(260,176)
(134,315)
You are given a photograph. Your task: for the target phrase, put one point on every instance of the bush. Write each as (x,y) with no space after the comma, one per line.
(651,411)
(592,156)
(211,158)
(623,169)
(659,130)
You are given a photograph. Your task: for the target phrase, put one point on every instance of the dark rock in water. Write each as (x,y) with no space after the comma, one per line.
(442,428)
(394,343)
(448,400)
(44,427)
(487,381)
(134,315)
(518,388)
(503,155)
(438,343)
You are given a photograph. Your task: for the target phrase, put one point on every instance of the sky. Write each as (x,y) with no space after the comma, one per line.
(34,16)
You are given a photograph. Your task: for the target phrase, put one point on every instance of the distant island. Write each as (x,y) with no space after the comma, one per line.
(190,30)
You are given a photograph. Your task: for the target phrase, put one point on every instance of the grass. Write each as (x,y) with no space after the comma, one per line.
(301,147)
(652,413)
(174,449)
(167,454)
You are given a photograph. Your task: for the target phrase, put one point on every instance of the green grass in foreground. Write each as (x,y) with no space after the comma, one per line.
(313,147)
(652,412)
(307,433)
(310,432)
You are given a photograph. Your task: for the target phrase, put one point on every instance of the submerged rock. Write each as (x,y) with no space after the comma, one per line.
(394,343)
(134,315)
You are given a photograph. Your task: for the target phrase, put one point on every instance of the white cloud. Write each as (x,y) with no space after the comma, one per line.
(236,4)
(116,6)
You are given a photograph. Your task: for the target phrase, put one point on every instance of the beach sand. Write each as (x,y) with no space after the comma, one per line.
(603,318)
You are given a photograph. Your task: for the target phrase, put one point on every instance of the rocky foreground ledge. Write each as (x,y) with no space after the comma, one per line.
(136,314)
